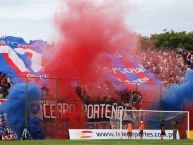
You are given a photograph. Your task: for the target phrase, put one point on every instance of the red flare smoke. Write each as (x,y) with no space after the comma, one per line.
(88,30)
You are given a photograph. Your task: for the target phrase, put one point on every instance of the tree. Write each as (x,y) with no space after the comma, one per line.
(169,40)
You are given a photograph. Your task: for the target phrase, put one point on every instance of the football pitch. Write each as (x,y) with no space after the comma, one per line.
(97,142)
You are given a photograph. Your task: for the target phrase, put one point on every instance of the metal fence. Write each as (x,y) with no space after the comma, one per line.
(70,104)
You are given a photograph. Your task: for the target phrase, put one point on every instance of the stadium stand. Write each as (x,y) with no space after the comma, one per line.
(167,65)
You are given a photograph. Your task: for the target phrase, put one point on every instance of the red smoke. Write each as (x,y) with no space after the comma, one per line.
(88,30)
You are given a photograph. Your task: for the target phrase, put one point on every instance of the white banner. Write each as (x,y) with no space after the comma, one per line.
(117,134)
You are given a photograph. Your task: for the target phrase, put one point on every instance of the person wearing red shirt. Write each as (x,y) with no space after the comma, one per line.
(141,128)
(129,129)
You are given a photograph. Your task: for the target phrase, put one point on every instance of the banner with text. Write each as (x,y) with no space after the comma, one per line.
(117,134)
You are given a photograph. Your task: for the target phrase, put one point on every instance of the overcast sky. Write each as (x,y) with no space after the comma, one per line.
(34,19)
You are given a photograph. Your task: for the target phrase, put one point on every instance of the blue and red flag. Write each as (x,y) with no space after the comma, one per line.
(124,71)
(18,58)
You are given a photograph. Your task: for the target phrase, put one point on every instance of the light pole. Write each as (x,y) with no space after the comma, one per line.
(26,134)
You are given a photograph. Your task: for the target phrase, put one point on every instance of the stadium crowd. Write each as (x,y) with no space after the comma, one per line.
(132,99)
(167,65)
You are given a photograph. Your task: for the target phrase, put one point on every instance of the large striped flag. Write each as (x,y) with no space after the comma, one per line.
(19,59)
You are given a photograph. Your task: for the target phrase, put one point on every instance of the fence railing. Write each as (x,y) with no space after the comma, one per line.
(70,104)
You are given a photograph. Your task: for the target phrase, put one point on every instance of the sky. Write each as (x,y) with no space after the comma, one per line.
(34,19)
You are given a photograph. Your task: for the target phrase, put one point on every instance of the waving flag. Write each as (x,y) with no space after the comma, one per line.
(19,58)
(125,71)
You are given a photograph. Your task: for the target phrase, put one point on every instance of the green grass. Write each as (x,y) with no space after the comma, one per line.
(98,142)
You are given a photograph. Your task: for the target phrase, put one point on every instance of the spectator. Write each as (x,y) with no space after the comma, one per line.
(162,128)
(141,128)
(5,84)
(175,125)
(45,92)
(129,129)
